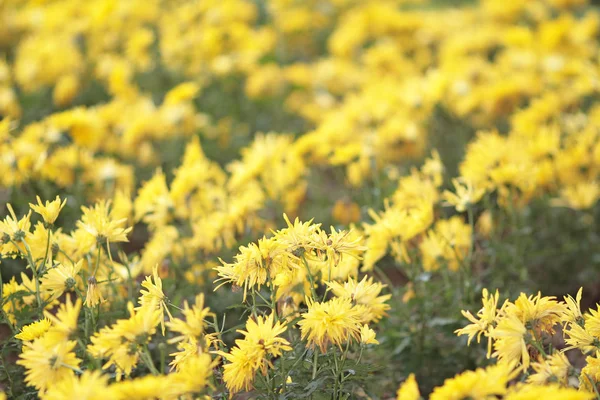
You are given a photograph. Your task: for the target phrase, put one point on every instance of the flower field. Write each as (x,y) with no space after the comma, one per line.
(300,199)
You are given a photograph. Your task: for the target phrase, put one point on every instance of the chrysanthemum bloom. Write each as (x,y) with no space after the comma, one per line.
(466,194)
(540,313)
(98,223)
(256,263)
(554,368)
(365,295)
(47,361)
(509,341)
(590,374)
(34,330)
(122,341)
(93,296)
(60,278)
(487,319)
(193,375)
(13,229)
(64,321)
(572,313)
(154,298)
(49,210)
(409,390)
(261,341)
(478,384)
(367,335)
(193,326)
(335,321)
(91,385)
(145,387)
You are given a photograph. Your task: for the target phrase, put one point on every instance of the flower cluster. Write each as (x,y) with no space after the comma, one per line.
(148,150)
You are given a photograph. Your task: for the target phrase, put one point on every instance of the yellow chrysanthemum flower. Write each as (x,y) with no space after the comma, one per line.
(193,326)
(49,210)
(479,384)
(153,297)
(91,385)
(47,361)
(61,278)
(409,389)
(261,340)
(34,330)
(367,335)
(487,320)
(365,295)
(335,321)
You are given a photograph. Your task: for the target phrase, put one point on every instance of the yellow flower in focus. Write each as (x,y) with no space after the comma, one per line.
(93,296)
(261,339)
(10,307)
(367,335)
(541,312)
(578,337)
(409,389)
(121,342)
(509,341)
(34,330)
(239,372)
(335,321)
(60,278)
(488,318)
(12,228)
(365,297)
(96,221)
(265,332)
(153,297)
(49,210)
(572,313)
(193,326)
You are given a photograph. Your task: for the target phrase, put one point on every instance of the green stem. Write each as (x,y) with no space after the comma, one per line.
(593,385)
(315,364)
(12,328)
(97,260)
(310,278)
(253,308)
(336,375)
(45,261)
(147,358)
(35,276)
(71,368)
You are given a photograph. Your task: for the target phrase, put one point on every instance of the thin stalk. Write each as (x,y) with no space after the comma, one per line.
(310,278)
(71,368)
(145,356)
(97,261)
(35,276)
